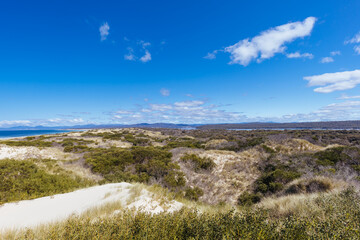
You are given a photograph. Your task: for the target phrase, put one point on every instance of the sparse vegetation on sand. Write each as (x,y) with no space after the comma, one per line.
(294,184)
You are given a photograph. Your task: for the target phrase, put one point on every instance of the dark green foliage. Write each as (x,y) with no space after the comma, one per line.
(136,164)
(248,199)
(24,180)
(199,162)
(312,186)
(30,143)
(250,142)
(341,222)
(268,149)
(136,141)
(192,143)
(331,156)
(193,193)
(273,179)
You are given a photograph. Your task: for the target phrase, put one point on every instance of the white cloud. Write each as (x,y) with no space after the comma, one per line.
(211,55)
(355,39)
(334,53)
(299,55)
(160,107)
(357,49)
(165,92)
(269,42)
(104,31)
(334,81)
(344,96)
(146,57)
(327,60)
(194,103)
(130,56)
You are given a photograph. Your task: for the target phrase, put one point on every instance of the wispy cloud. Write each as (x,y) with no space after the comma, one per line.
(130,56)
(43,122)
(165,92)
(357,49)
(344,96)
(300,55)
(334,81)
(355,39)
(334,53)
(104,31)
(326,60)
(141,49)
(268,43)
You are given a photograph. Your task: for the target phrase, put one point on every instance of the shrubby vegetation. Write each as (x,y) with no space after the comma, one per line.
(28,143)
(25,180)
(140,164)
(200,163)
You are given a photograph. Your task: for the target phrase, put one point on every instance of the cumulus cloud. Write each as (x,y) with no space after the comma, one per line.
(104,31)
(334,81)
(326,60)
(146,57)
(299,55)
(268,43)
(165,92)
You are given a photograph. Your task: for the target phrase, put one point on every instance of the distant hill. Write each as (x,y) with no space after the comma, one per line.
(296,125)
(254,125)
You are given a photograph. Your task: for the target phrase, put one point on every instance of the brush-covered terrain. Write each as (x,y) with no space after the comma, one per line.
(200,184)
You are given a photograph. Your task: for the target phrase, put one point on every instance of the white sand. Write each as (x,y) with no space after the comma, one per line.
(30,213)
(21,153)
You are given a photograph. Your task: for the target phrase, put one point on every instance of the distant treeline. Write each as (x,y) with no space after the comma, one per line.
(298,125)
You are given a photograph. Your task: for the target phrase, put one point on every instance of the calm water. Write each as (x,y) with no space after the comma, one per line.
(25,133)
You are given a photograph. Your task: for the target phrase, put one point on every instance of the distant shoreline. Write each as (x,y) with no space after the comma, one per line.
(10,134)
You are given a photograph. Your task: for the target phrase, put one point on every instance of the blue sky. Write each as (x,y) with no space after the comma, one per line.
(80,62)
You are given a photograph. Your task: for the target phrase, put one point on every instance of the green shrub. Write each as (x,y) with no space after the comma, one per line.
(273,179)
(199,162)
(24,180)
(31,143)
(193,193)
(248,199)
(331,156)
(138,164)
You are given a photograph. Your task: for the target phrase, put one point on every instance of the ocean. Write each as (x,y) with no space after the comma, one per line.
(25,133)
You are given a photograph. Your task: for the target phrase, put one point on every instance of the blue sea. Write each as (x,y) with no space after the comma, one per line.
(25,133)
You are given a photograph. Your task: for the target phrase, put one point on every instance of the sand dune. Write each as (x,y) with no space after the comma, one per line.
(30,213)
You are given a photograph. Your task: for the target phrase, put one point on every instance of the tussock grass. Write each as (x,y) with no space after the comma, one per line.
(332,216)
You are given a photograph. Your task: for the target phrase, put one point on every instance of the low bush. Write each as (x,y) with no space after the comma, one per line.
(200,163)
(193,193)
(138,164)
(331,156)
(248,199)
(24,180)
(274,178)
(30,143)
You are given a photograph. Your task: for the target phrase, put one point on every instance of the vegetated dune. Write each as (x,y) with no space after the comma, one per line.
(21,153)
(30,213)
